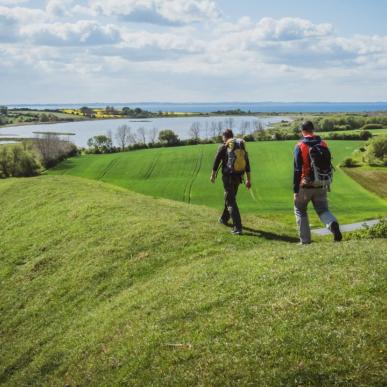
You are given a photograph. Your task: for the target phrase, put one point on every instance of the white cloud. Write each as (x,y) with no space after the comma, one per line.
(13,2)
(23,15)
(290,29)
(58,8)
(178,49)
(83,32)
(158,11)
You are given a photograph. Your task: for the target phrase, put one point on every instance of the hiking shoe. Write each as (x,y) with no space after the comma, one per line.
(335,230)
(236,232)
(222,221)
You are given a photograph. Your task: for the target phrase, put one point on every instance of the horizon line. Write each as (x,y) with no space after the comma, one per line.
(194,103)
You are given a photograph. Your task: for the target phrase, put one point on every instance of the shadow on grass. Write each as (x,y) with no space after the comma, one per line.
(248,231)
(269,235)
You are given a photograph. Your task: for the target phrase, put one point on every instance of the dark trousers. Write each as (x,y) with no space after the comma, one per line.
(231,210)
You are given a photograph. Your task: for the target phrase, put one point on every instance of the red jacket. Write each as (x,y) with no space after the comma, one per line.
(302,167)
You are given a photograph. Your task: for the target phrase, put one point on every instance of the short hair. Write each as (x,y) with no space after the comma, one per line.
(228,133)
(307,126)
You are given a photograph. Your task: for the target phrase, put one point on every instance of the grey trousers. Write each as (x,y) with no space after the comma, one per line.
(319,199)
(231,210)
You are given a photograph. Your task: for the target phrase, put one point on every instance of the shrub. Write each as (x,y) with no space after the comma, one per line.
(3,121)
(377,231)
(342,127)
(15,161)
(248,137)
(53,150)
(364,135)
(169,137)
(377,151)
(349,163)
(373,126)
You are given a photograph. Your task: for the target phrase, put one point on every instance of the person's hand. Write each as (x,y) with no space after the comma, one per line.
(248,184)
(212,177)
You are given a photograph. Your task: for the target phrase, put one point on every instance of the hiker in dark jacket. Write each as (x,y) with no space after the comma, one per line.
(305,191)
(231,182)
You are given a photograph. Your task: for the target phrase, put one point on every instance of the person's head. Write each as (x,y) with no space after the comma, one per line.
(227,134)
(307,127)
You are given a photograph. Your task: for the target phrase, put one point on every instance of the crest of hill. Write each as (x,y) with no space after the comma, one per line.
(99,285)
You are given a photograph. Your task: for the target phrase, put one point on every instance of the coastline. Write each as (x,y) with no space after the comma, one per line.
(149,119)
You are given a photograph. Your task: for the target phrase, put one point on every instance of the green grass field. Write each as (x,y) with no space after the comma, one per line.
(100,286)
(182,174)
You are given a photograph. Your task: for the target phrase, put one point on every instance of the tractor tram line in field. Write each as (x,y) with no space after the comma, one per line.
(108,168)
(152,167)
(198,166)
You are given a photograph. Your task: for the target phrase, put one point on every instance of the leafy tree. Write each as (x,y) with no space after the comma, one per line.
(127,111)
(168,136)
(327,125)
(377,150)
(3,110)
(100,143)
(86,111)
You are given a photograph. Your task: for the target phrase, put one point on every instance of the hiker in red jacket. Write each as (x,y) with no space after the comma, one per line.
(312,178)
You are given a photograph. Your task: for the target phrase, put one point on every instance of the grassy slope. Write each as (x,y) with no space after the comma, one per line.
(183,174)
(371,178)
(98,285)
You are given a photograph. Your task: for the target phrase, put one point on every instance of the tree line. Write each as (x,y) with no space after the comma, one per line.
(30,158)
(127,138)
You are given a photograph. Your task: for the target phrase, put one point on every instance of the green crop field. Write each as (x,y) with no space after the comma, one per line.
(183,174)
(100,286)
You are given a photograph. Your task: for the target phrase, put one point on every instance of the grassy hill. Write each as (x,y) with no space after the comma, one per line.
(102,286)
(183,174)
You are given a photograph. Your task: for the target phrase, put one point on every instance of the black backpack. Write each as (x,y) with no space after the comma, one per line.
(321,165)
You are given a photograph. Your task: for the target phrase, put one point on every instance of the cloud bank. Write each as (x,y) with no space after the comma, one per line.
(179,50)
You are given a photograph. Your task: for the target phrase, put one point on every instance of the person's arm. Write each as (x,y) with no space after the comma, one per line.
(297,170)
(217,161)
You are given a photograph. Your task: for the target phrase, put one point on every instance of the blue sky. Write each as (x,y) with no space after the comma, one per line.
(55,51)
(348,16)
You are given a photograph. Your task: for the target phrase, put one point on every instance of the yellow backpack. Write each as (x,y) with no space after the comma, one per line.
(236,156)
